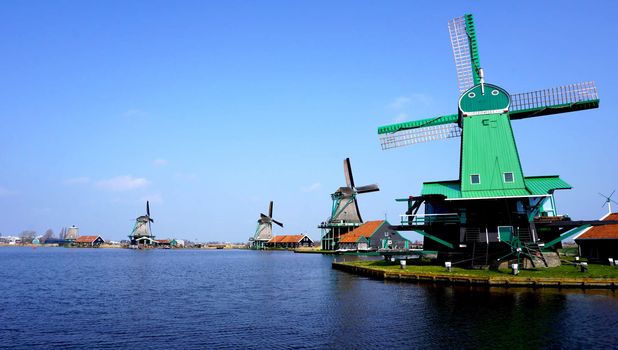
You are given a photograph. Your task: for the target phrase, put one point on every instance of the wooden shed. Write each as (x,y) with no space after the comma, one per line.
(89,241)
(599,242)
(373,235)
(290,241)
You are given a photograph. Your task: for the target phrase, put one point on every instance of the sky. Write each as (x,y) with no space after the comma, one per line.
(209,110)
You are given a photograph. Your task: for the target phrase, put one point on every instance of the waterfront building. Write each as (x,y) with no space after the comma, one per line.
(163,243)
(598,243)
(89,241)
(373,235)
(289,241)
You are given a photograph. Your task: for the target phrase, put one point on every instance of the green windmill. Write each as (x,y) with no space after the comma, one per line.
(493,208)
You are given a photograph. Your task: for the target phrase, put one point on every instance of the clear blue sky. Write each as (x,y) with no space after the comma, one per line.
(211,109)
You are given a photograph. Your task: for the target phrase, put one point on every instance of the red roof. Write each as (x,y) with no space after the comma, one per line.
(602,232)
(286,239)
(163,241)
(365,230)
(86,239)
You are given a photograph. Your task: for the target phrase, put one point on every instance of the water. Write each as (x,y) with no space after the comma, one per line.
(192,299)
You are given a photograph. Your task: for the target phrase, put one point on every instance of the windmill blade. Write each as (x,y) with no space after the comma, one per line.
(610,196)
(604,204)
(562,99)
(148,208)
(262,216)
(270,209)
(465,51)
(602,195)
(277,222)
(418,131)
(347,170)
(368,188)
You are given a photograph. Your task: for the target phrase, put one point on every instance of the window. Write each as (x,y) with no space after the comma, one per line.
(508,177)
(475,179)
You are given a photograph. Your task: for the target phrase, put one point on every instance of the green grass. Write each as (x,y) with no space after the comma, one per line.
(564,271)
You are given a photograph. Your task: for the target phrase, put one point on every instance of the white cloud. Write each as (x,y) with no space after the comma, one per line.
(159,162)
(313,187)
(412,105)
(400,102)
(123,183)
(400,118)
(78,181)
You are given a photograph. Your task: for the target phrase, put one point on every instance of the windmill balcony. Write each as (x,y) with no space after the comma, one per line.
(338,223)
(428,219)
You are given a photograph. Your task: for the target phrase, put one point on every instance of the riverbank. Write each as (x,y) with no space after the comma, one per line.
(565,276)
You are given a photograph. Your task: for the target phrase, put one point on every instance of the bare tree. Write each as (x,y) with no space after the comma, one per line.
(27,236)
(49,234)
(63,233)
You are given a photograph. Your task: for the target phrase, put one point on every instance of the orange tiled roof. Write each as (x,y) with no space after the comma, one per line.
(602,232)
(162,241)
(366,230)
(286,239)
(86,239)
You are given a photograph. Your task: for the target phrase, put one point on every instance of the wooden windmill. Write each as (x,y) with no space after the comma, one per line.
(345,214)
(264,230)
(492,206)
(142,236)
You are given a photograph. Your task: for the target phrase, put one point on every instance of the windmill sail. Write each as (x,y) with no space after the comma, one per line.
(424,130)
(465,51)
(345,205)
(561,99)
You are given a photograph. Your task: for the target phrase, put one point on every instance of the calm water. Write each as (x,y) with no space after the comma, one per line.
(190,299)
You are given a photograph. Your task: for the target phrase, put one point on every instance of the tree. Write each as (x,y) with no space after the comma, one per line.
(27,236)
(63,233)
(49,234)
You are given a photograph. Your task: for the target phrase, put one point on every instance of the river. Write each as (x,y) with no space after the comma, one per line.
(236,299)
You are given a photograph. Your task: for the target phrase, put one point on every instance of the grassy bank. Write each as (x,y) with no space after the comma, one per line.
(567,271)
(597,276)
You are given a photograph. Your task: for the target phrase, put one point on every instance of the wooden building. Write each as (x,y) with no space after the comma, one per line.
(598,243)
(289,241)
(89,241)
(373,235)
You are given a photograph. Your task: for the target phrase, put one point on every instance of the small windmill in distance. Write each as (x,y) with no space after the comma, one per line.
(608,201)
(264,231)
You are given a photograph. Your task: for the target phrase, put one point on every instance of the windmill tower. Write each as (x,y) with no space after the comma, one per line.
(264,230)
(142,236)
(492,205)
(608,201)
(72,233)
(345,215)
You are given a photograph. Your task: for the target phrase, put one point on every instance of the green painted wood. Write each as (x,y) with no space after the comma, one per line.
(487,98)
(437,239)
(565,235)
(475,60)
(554,109)
(445,119)
(489,150)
